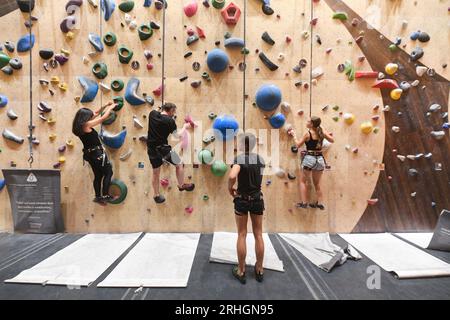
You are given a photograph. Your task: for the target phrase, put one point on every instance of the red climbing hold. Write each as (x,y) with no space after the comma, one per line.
(200,32)
(158,91)
(386,84)
(372,202)
(188,119)
(164,182)
(366,74)
(231,14)
(189,210)
(191,8)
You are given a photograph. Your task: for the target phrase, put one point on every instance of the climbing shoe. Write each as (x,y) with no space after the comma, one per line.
(313,205)
(259,276)
(302,205)
(159,199)
(187,187)
(100,201)
(241,278)
(109,198)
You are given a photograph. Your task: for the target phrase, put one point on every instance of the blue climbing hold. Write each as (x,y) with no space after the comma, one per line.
(96,42)
(147,3)
(234,43)
(131,93)
(25,43)
(2,184)
(90,88)
(277,121)
(415,35)
(268,97)
(217,60)
(225,127)
(113,141)
(108,7)
(3,101)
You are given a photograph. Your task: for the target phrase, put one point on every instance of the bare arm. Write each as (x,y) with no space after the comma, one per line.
(328,136)
(100,110)
(179,133)
(298,142)
(98,120)
(232,179)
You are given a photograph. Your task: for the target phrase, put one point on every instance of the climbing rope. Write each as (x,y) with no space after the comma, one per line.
(163,53)
(245,65)
(30,125)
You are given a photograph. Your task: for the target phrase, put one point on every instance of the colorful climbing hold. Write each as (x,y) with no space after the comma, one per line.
(190,9)
(100,70)
(231,14)
(367,127)
(205,156)
(107,7)
(131,95)
(110,39)
(219,168)
(268,97)
(25,43)
(125,54)
(391,68)
(225,127)
(145,32)
(340,16)
(278,120)
(217,60)
(126,6)
(396,94)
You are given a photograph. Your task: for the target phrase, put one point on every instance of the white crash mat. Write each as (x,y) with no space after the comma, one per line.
(158,260)
(420,239)
(397,256)
(80,263)
(224,251)
(318,248)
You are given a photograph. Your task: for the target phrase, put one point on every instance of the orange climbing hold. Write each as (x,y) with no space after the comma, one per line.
(366,74)
(200,32)
(386,84)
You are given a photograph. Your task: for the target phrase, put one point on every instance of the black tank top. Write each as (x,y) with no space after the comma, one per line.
(313,145)
(90,140)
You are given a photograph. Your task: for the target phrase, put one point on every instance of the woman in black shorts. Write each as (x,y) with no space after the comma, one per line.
(313,162)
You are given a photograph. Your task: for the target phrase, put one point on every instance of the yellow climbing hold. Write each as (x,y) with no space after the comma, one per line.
(51,121)
(55,80)
(52,136)
(70,143)
(349,118)
(70,35)
(65,51)
(396,94)
(391,68)
(77,99)
(62,159)
(367,127)
(63,86)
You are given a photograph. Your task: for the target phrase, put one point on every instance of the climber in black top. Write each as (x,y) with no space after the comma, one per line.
(313,162)
(160,126)
(93,152)
(248,171)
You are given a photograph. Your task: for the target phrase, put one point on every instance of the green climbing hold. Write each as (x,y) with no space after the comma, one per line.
(218,4)
(245,51)
(4,60)
(110,39)
(126,6)
(145,32)
(205,156)
(340,16)
(393,48)
(117,85)
(118,190)
(100,70)
(125,54)
(110,120)
(205,197)
(219,168)
(349,70)
(119,103)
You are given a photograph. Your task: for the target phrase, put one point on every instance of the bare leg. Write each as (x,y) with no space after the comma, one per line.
(180,174)
(317,176)
(155,181)
(304,179)
(241,223)
(257,222)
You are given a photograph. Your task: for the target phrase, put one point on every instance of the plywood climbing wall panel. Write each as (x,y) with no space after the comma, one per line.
(16,88)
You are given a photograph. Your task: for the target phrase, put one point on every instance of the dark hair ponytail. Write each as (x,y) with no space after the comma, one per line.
(316,122)
(81,117)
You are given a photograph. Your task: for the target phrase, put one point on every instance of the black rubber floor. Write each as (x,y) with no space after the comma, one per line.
(302,280)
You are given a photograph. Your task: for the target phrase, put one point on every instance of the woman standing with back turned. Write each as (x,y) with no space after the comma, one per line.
(313,162)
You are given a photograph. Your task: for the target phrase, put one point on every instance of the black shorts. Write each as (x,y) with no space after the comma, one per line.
(160,154)
(244,206)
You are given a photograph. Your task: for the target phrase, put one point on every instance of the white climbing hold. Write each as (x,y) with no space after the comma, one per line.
(347,147)
(85,60)
(438,135)
(128,18)
(435,107)
(11,114)
(395,129)
(285,106)
(317,73)
(281,57)
(280,173)
(415,83)
(404,24)
(104,87)
(133,25)
(414,194)
(387,108)
(137,123)
(401,158)
(420,70)
(411,157)
(126,155)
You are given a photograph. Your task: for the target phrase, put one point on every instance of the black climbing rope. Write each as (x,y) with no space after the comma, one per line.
(163,53)
(30,125)
(245,65)
(311,60)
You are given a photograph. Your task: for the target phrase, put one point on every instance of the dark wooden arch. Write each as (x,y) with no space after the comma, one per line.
(397,210)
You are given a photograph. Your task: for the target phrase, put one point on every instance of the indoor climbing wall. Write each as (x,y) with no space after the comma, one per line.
(321,55)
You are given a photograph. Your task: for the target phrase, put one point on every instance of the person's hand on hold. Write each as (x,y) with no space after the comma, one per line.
(233,192)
